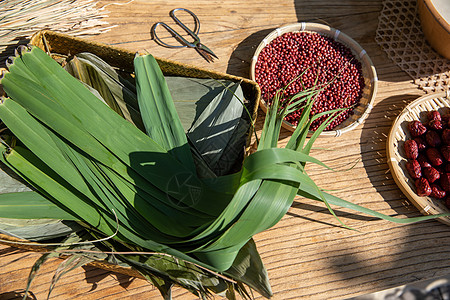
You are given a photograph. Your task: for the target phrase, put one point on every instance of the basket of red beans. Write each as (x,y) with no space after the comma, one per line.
(418,150)
(307,55)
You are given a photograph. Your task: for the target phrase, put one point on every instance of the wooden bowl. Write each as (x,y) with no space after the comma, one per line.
(398,134)
(368,72)
(435,20)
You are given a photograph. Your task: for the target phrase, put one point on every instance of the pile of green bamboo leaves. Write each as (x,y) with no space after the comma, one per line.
(130,171)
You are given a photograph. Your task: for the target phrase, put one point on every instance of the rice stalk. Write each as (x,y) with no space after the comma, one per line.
(20,19)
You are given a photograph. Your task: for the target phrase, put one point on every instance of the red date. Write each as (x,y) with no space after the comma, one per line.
(411,149)
(423,188)
(435,125)
(414,169)
(428,154)
(431,174)
(423,161)
(421,144)
(434,115)
(416,128)
(434,157)
(437,191)
(433,139)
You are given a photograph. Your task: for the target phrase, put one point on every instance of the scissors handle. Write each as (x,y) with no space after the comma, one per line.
(176,35)
(194,33)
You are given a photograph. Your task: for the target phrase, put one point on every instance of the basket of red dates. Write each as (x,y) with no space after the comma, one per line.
(419,153)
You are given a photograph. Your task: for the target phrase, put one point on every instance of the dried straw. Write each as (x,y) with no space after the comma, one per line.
(19,19)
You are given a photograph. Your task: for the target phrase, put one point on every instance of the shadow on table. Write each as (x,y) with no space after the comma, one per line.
(94,275)
(17,295)
(241,58)
(373,149)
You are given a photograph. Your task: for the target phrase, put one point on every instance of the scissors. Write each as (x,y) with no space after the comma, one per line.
(204,51)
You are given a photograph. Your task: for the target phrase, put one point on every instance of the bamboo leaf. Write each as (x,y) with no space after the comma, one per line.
(249,269)
(69,264)
(85,115)
(158,112)
(214,128)
(31,205)
(191,96)
(119,94)
(35,269)
(37,229)
(308,191)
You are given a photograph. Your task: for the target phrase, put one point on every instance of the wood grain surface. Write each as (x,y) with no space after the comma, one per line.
(308,254)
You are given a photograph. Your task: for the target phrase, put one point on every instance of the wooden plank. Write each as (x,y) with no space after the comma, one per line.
(307,254)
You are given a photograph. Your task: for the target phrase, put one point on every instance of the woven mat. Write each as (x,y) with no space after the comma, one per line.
(400,35)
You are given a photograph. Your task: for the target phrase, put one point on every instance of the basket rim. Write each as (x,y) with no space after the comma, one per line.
(421,203)
(339,36)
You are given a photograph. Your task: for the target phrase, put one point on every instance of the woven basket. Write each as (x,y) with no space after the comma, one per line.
(368,72)
(60,45)
(396,156)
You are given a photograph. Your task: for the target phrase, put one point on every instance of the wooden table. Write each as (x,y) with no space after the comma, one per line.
(307,254)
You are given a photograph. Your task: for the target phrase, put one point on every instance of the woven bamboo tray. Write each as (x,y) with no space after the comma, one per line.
(60,45)
(398,134)
(368,72)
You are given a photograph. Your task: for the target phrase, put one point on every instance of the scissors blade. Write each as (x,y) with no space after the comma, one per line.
(205,55)
(205,51)
(203,47)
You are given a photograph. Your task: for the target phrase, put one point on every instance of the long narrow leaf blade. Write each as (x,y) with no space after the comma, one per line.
(31,205)
(158,112)
(308,191)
